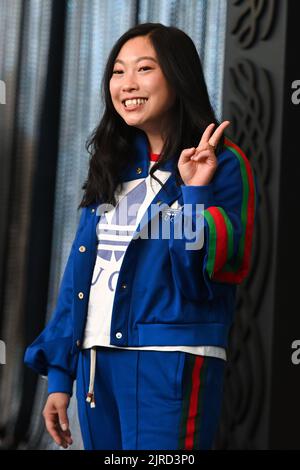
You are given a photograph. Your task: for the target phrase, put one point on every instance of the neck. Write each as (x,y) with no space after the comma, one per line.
(155,143)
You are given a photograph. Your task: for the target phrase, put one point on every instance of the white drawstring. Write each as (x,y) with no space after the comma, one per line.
(90,397)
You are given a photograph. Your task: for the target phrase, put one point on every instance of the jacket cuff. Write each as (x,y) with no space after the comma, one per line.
(198,195)
(59,381)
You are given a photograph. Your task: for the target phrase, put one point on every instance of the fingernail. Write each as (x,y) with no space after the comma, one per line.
(64,427)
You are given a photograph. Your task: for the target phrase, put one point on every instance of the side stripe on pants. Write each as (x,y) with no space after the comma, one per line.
(201,402)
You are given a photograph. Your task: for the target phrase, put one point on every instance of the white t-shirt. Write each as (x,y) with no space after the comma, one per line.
(114,232)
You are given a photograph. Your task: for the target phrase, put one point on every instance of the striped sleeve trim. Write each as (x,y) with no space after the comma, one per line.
(220,235)
(220,265)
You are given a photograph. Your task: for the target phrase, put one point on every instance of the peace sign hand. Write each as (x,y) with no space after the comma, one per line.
(198,165)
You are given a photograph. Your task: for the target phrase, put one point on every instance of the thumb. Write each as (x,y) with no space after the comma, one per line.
(63,418)
(186,154)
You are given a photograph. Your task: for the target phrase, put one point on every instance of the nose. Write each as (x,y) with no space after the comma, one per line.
(130,82)
(130,87)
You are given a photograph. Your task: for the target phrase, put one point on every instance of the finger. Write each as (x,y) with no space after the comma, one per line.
(214,139)
(206,135)
(64,424)
(54,429)
(186,155)
(203,147)
(63,418)
(54,433)
(202,156)
(67,436)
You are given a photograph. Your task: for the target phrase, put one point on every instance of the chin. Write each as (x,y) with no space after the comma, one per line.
(134,122)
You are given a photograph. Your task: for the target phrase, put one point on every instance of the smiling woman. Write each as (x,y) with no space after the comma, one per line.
(142,322)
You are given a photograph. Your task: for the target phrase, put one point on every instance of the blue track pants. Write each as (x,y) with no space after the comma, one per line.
(150,400)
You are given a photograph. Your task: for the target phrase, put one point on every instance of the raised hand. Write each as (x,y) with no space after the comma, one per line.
(198,165)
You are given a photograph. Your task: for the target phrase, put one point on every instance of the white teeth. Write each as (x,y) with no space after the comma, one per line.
(134,102)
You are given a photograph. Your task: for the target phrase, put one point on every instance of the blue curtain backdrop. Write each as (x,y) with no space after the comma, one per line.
(78,35)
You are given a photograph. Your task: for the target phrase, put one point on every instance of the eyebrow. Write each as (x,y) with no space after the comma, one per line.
(138,59)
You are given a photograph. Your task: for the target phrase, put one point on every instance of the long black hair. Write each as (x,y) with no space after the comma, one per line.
(110,144)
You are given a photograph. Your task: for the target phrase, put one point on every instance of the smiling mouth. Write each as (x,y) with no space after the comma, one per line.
(135,104)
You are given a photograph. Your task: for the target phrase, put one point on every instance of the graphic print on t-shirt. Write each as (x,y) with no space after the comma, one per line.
(112,243)
(115,230)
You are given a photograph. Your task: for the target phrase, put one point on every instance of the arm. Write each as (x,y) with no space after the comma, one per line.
(50,353)
(228,219)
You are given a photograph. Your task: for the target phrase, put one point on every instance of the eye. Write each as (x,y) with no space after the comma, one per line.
(118,72)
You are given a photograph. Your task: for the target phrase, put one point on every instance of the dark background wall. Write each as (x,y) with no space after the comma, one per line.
(261,405)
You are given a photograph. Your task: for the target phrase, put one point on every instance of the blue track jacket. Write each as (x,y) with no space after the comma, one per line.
(166,294)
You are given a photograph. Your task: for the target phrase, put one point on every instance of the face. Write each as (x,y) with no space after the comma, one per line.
(137,77)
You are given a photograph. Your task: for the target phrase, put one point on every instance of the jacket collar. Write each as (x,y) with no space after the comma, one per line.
(168,194)
(140,169)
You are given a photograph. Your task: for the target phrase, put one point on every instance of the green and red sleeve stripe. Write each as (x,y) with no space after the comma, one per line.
(220,266)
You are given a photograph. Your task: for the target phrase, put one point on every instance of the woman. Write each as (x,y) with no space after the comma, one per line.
(142,319)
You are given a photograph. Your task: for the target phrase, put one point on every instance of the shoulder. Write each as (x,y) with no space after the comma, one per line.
(86,213)
(233,153)
(233,159)
(89,210)
(234,174)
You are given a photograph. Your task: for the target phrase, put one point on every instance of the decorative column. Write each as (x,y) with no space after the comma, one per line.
(261,407)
